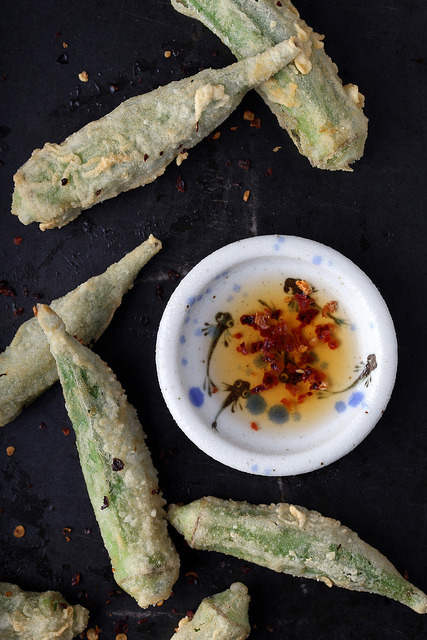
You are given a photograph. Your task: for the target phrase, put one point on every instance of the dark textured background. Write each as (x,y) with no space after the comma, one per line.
(374,216)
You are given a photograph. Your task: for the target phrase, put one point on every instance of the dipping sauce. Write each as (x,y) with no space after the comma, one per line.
(280,354)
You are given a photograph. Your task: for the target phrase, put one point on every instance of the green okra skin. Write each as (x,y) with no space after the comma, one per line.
(324,118)
(134,144)
(27,615)
(116,463)
(223,616)
(296,541)
(27,367)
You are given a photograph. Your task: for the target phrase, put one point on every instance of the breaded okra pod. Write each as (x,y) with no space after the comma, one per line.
(134,144)
(26,615)
(223,616)
(116,463)
(323,117)
(293,540)
(27,367)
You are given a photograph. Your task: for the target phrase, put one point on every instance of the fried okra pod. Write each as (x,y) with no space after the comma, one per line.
(324,118)
(27,615)
(293,540)
(116,463)
(134,144)
(27,367)
(223,616)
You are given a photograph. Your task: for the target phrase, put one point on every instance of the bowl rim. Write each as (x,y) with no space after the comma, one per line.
(211,442)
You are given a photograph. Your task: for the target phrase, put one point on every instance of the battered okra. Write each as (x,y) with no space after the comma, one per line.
(223,616)
(323,117)
(120,477)
(26,615)
(27,367)
(293,540)
(134,144)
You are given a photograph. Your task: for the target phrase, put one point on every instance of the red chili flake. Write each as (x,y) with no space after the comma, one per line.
(66,531)
(66,431)
(228,163)
(159,292)
(191,577)
(117,464)
(306,317)
(329,307)
(238,335)
(105,504)
(75,580)
(301,398)
(190,614)
(254,426)
(42,425)
(6,290)
(244,164)
(173,275)
(142,621)
(180,185)
(18,311)
(270,629)
(121,626)
(269,172)
(279,4)
(114,87)
(256,123)
(4,77)
(246,569)
(63,605)
(214,389)
(242,349)
(98,192)
(292,388)
(25,292)
(406,575)
(58,34)
(155,491)
(17,240)
(287,403)
(146,156)
(332,344)
(323,332)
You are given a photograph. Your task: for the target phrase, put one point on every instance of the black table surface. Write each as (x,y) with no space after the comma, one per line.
(374,216)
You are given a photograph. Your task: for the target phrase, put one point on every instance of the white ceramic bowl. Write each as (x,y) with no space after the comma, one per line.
(182,349)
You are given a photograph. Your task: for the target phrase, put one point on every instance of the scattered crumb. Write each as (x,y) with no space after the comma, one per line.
(181,157)
(233,128)
(216,135)
(64,45)
(66,431)
(249,116)
(19,531)
(91,634)
(84,76)
(276,149)
(121,636)
(246,195)
(168,54)
(256,123)
(10,451)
